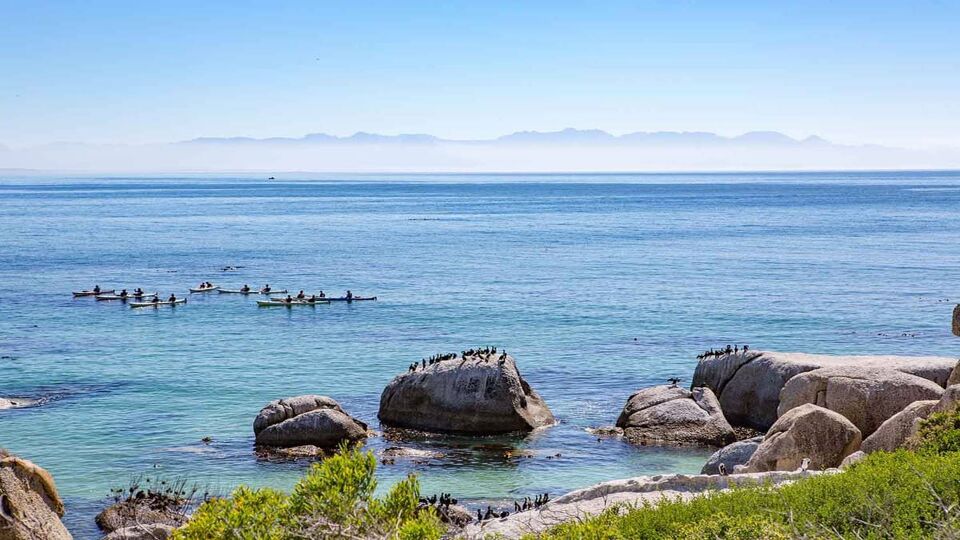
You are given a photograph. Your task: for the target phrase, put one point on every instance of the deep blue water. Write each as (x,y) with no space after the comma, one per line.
(598,285)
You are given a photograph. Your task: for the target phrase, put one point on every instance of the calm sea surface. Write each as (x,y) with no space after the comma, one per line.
(598,285)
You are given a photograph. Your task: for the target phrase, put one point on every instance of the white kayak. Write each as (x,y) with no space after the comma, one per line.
(251,291)
(92,293)
(342,298)
(205,289)
(157,304)
(104,297)
(273,303)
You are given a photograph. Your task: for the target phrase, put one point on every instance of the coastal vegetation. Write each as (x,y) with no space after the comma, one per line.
(335,499)
(911,493)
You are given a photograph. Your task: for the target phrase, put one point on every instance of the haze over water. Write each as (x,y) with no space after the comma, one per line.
(598,285)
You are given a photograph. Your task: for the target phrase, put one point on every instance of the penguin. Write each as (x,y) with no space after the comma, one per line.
(433,499)
(745,347)
(723,469)
(424,364)
(735,348)
(516,506)
(504,514)
(479,516)
(805,464)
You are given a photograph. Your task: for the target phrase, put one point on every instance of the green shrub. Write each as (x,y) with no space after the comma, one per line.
(335,499)
(938,433)
(899,495)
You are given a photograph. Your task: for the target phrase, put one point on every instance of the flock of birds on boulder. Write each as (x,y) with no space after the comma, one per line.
(485,354)
(443,501)
(722,351)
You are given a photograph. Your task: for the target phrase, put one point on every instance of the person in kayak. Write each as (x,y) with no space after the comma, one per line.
(138,292)
(301,295)
(321,295)
(349,296)
(156,300)
(288,299)
(245,288)
(96,289)
(173,298)
(123,293)
(265,289)
(313,298)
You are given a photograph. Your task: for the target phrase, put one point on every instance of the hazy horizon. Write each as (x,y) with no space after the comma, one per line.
(111,86)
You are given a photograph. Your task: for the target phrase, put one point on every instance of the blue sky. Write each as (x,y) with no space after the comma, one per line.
(94,71)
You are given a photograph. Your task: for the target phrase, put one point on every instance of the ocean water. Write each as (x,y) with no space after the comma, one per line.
(598,285)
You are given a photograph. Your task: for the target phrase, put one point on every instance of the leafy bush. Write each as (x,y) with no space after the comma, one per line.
(938,433)
(335,499)
(898,495)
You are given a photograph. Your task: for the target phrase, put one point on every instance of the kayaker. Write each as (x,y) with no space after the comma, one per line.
(349,296)
(173,298)
(313,298)
(245,288)
(301,295)
(288,300)
(123,293)
(96,289)
(138,292)
(156,300)
(322,295)
(265,289)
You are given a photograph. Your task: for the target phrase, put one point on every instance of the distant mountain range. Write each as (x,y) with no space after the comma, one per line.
(566,136)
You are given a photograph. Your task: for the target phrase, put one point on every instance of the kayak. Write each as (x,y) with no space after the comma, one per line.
(251,291)
(157,304)
(92,293)
(339,299)
(272,303)
(127,297)
(205,289)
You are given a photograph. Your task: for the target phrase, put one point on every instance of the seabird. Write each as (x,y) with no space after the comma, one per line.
(479,515)
(673,381)
(723,469)
(424,364)
(805,464)
(516,506)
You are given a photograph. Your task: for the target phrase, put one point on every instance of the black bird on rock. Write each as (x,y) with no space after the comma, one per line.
(673,381)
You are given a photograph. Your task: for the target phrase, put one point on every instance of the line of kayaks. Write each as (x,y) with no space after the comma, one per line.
(157,304)
(92,293)
(105,297)
(251,291)
(337,299)
(283,302)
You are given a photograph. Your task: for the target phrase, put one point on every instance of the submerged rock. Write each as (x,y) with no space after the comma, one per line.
(477,395)
(16,403)
(748,385)
(805,432)
(674,415)
(730,456)
(866,396)
(306,420)
(30,507)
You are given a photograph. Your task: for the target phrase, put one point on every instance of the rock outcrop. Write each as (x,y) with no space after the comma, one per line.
(954,376)
(133,513)
(153,531)
(866,396)
(805,432)
(30,507)
(956,320)
(638,491)
(748,385)
(674,415)
(898,428)
(306,420)
(732,455)
(477,395)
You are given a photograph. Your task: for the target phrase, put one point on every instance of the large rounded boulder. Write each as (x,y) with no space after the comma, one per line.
(748,384)
(956,320)
(306,420)
(674,415)
(732,455)
(898,428)
(805,432)
(478,393)
(30,507)
(865,396)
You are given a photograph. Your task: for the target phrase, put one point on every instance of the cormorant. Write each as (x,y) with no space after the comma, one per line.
(424,364)
(479,515)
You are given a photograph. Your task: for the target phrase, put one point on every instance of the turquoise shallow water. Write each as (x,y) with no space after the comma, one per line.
(598,285)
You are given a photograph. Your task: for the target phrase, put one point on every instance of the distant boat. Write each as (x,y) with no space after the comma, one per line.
(272,178)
